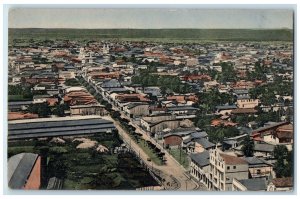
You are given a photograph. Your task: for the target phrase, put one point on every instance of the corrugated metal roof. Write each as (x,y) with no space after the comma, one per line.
(254,184)
(202,159)
(19,103)
(264,147)
(254,162)
(49,124)
(182,108)
(61,133)
(205,143)
(58,128)
(19,168)
(225,107)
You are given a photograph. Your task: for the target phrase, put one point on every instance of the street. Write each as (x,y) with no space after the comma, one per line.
(172,172)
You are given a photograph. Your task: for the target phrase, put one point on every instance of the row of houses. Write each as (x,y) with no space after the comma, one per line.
(221,171)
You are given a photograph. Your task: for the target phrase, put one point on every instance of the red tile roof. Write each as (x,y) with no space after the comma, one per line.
(283,182)
(19,115)
(283,134)
(243,110)
(286,128)
(52,101)
(232,160)
(131,97)
(79,98)
(218,122)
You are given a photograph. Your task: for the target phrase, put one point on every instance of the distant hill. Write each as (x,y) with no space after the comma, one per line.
(191,34)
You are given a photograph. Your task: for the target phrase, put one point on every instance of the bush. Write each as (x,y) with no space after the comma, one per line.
(72,82)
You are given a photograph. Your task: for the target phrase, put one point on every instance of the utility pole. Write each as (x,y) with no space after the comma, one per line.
(180,154)
(186,185)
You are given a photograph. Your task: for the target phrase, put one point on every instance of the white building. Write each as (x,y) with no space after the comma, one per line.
(223,168)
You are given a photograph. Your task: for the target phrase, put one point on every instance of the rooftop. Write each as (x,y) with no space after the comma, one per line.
(244,111)
(283,182)
(205,143)
(232,160)
(254,184)
(61,126)
(56,119)
(225,107)
(254,162)
(202,159)
(19,168)
(264,147)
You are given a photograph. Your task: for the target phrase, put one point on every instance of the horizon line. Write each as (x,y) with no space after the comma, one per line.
(283,28)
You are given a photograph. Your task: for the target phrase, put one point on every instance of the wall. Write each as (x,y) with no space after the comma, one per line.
(34,179)
(270,139)
(264,171)
(88,111)
(241,172)
(200,174)
(173,140)
(198,148)
(225,112)
(158,118)
(139,110)
(173,124)
(247,103)
(237,186)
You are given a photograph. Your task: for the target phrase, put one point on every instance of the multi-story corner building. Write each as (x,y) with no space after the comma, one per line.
(223,168)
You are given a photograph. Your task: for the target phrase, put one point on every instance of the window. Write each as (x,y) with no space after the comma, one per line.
(258,171)
(234,167)
(228,167)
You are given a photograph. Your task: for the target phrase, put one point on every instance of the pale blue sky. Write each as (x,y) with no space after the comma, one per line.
(150,18)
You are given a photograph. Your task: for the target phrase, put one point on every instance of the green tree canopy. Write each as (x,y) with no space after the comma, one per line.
(248,147)
(284,161)
(42,109)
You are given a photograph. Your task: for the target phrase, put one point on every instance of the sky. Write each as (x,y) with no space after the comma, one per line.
(147,18)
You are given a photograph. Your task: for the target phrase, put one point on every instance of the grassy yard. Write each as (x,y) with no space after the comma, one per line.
(84,169)
(19,149)
(181,157)
(143,144)
(152,155)
(12,98)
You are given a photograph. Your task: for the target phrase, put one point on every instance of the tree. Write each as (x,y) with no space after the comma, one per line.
(284,161)
(280,151)
(163,90)
(248,147)
(42,109)
(228,73)
(59,110)
(217,134)
(108,106)
(290,164)
(72,82)
(25,91)
(112,58)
